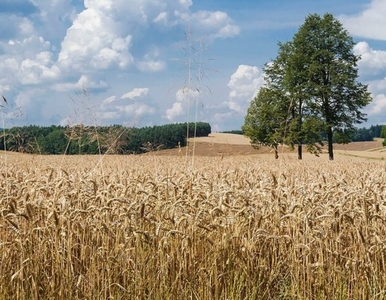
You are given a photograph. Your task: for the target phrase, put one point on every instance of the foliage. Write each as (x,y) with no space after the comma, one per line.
(239,132)
(329,66)
(383,135)
(264,120)
(115,139)
(284,76)
(358,134)
(375,130)
(316,76)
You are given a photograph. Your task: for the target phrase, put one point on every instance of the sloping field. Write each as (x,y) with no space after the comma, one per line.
(224,138)
(226,144)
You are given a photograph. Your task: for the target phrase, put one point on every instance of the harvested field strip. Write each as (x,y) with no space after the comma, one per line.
(376,155)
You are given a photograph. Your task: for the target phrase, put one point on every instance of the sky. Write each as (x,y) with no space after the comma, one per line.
(154,62)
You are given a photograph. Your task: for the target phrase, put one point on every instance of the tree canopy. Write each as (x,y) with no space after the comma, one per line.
(114,139)
(383,135)
(314,81)
(265,119)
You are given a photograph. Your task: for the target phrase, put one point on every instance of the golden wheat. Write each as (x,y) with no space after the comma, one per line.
(151,228)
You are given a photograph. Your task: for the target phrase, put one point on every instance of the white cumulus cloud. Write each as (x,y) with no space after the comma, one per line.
(135,93)
(110,99)
(244,85)
(209,24)
(140,108)
(370,23)
(84,82)
(93,41)
(372,61)
(376,110)
(151,65)
(33,71)
(101,35)
(378,86)
(175,111)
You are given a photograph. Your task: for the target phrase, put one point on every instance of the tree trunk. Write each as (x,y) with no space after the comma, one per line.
(276,153)
(300,151)
(330,146)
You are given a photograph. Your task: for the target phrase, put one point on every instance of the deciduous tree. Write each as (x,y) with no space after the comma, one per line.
(383,135)
(265,120)
(315,79)
(329,68)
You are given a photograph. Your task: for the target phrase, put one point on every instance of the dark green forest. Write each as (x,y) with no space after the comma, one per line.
(363,134)
(356,135)
(115,139)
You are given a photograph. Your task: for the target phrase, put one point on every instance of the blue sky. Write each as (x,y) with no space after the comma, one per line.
(133,57)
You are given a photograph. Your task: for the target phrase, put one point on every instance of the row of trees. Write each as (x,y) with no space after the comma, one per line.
(311,90)
(356,135)
(114,139)
(363,134)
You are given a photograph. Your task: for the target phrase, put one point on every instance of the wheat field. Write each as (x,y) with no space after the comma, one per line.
(147,227)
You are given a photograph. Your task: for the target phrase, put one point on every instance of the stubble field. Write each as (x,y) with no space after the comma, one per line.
(170,227)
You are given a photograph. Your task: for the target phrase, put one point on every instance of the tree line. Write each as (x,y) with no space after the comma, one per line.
(114,139)
(363,134)
(311,92)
